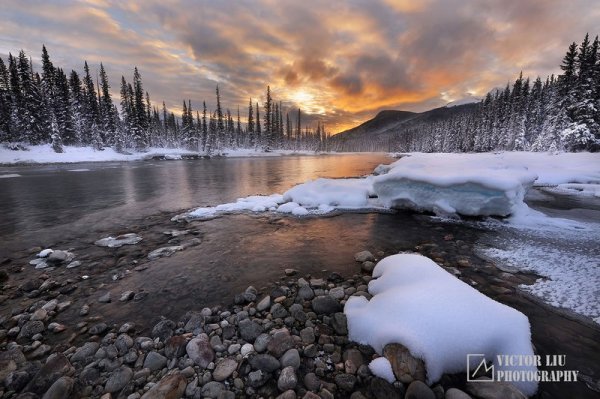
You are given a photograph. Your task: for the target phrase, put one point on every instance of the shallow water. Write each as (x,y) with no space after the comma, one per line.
(103,195)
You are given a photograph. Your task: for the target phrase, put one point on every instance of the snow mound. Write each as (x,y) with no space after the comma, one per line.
(10,175)
(453,183)
(341,193)
(439,318)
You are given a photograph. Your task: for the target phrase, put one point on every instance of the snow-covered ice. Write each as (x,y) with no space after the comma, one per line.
(453,183)
(340,193)
(439,318)
(467,184)
(119,241)
(254,203)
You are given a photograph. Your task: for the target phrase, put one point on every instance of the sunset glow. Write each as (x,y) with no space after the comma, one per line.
(340,62)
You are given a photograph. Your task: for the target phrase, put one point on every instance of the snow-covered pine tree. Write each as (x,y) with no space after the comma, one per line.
(90,110)
(5,104)
(268,127)
(259,137)
(250,125)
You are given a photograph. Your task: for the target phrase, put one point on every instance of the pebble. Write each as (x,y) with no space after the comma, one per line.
(364,256)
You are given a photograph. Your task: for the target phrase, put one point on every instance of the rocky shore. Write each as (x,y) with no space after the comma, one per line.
(289,340)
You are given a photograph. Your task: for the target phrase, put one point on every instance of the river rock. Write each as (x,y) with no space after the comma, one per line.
(306,293)
(59,256)
(119,241)
(280,343)
(60,389)
(39,314)
(287,379)
(224,369)
(73,264)
(312,382)
(155,361)
(164,251)
(163,330)
(337,293)
(200,351)
(265,362)
(98,329)
(212,389)
(493,390)
(105,298)
(118,379)
(249,330)
(345,381)
(339,323)
(56,366)
(56,327)
(87,350)
(419,390)
(175,346)
(406,367)
(291,358)
(364,256)
(169,387)
(353,359)
(31,328)
(367,266)
(454,393)
(325,304)
(126,296)
(264,304)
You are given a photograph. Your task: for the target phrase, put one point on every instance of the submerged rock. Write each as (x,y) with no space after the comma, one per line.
(164,251)
(119,241)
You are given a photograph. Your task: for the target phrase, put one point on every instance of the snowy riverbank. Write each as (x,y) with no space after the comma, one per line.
(44,154)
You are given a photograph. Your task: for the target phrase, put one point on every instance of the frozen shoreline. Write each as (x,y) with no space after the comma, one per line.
(44,154)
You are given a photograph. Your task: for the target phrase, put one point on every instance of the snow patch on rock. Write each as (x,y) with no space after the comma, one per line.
(439,318)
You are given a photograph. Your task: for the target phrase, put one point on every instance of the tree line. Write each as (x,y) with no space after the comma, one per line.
(559,113)
(60,109)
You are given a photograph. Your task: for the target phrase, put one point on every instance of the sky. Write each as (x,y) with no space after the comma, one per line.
(339,61)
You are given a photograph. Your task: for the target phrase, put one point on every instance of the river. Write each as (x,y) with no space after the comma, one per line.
(71,206)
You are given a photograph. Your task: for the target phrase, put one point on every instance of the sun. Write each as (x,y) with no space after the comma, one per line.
(302,97)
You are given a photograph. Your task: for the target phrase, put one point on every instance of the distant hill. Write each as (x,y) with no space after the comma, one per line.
(381,132)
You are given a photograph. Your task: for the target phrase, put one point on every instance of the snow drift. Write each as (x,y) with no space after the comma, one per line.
(439,318)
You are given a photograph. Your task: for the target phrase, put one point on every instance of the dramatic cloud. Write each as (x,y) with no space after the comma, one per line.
(340,61)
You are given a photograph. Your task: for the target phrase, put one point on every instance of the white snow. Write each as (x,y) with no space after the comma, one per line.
(78,170)
(10,175)
(439,318)
(571,277)
(463,101)
(115,242)
(340,193)
(468,184)
(577,189)
(44,253)
(382,368)
(447,184)
(254,203)
(45,154)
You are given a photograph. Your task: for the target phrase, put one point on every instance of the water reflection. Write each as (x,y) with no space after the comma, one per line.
(52,196)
